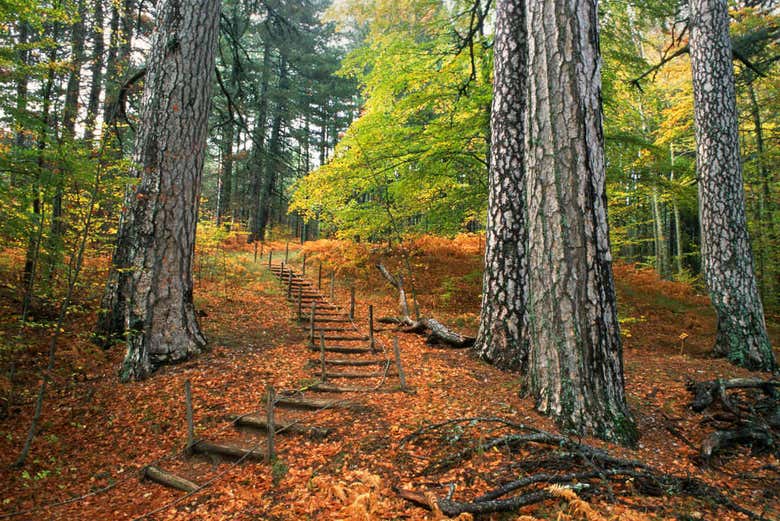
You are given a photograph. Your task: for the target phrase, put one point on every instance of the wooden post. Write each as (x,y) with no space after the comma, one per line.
(289,285)
(319,278)
(332,284)
(397,352)
(311,322)
(270,401)
(287,251)
(281,273)
(256,252)
(270,258)
(261,250)
(303,267)
(188,409)
(324,376)
(352,302)
(300,303)
(371,327)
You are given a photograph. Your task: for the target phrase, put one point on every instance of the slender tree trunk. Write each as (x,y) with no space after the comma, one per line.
(725,247)
(258,152)
(661,246)
(501,338)
(226,174)
(120,45)
(22,80)
(678,258)
(575,358)
(96,71)
(159,226)
(766,205)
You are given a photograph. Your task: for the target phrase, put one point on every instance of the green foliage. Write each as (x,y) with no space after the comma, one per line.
(415,160)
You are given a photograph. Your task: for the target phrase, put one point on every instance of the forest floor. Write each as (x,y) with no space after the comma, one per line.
(96,433)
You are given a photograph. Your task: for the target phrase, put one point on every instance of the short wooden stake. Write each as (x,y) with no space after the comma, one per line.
(319,278)
(270,402)
(371,327)
(270,258)
(303,267)
(397,352)
(256,252)
(300,303)
(287,251)
(261,250)
(352,302)
(332,284)
(188,409)
(324,376)
(289,285)
(311,322)
(281,273)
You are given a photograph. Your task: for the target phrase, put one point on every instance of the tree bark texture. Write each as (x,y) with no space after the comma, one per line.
(501,338)
(726,255)
(158,228)
(575,358)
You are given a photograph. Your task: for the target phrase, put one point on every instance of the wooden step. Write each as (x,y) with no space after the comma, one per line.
(315,362)
(334,328)
(330,388)
(342,349)
(228,451)
(311,404)
(346,320)
(167,479)
(346,338)
(355,376)
(260,423)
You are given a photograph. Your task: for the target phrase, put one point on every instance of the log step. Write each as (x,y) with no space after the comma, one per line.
(347,362)
(228,451)
(333,328)
(167,479)
(344,320)
(343,349)
(311,404)
(358,375)
(347,338)
(260,423)
(329,388)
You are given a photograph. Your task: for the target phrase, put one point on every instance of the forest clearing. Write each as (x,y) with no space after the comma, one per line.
(389,259)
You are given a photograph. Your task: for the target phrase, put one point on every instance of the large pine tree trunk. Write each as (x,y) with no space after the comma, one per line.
(501,338)
(726,256)
(159,227)
(575,358)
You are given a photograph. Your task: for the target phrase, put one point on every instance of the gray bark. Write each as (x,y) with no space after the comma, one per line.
(575,357)
(158,229)
(726,256)
(501,337)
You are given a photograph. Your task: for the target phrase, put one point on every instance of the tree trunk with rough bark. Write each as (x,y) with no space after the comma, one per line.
(159,226)
(501,338)
(575,356)
(725,248)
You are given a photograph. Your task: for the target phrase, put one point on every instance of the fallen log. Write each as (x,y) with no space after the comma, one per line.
(167,479)
(227,451)
(313,404)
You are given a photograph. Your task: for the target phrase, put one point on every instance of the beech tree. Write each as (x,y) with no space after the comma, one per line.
(726,254)
(575,352)
(153,281)
(501,338)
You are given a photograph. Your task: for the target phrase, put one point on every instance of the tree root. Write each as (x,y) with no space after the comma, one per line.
(580,467)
